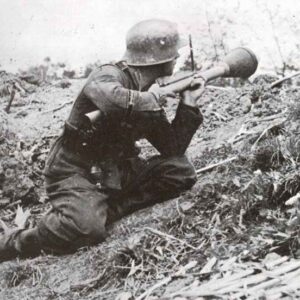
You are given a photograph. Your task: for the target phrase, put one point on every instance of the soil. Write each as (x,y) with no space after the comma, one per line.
(233,219)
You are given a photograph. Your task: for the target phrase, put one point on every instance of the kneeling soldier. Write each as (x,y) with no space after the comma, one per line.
(129,106)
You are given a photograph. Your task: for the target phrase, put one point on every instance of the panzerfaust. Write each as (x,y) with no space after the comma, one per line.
(240,62)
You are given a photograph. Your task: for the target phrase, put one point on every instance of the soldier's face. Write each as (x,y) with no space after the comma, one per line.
(169,67)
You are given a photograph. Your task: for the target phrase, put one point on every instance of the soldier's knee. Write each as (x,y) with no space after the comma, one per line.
(183,173)
(192,175)
(183,163)
(90,229)
(61,234)
(189,182)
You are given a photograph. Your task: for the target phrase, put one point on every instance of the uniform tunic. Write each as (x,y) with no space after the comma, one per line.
(80,210)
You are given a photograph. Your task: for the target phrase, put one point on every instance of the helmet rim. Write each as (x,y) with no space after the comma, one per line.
(153,42)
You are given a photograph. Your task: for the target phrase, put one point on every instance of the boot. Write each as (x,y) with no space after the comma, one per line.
(8,248)
(119,207)
(19,242)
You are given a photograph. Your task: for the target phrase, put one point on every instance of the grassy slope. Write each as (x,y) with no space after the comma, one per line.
(234,211)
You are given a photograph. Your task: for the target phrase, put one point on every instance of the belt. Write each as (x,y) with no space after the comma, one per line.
(78,141)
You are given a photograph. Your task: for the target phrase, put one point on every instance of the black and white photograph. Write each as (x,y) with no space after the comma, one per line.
(149,149)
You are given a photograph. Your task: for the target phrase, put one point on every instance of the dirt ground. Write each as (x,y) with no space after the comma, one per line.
(229,237)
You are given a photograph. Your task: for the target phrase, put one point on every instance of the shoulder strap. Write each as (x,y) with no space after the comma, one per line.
(124,68)
(122,65)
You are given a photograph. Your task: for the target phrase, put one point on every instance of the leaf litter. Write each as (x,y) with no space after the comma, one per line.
(234,235)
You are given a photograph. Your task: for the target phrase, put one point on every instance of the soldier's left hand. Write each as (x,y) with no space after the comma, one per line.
(192,95)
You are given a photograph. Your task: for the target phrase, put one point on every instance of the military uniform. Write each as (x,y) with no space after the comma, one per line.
(128,111)
(80,209)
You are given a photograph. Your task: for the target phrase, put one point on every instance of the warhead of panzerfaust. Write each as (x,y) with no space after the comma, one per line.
(240,62)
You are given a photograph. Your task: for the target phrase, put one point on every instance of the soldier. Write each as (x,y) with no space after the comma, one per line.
(130,108)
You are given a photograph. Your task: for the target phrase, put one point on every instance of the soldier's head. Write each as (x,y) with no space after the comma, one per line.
(153,45)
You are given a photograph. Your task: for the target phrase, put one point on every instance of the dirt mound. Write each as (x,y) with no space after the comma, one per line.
(16,174)
(244,207)
(24,144)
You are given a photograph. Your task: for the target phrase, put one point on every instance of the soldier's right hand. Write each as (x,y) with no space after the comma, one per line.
(191,96)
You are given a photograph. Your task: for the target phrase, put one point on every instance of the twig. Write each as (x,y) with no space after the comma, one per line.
(89,283)
(167,280)
(291,285)
(154,287)
(260,279)
(277,82)
(269,118)
(12,97)
(208,288)
(222,283)
(223,162)
(13,204)
(239,285)
(209,266)
(265,131)
(260,289)
(220,88)
(293,265)
(242,134)
(50,136)
(8,216)
(252,280)
(58,107)
(171,237)
(219,116)
(192,53)
(272,264)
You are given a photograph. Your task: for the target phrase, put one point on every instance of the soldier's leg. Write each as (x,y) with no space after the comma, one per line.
(77,218)
(153,181)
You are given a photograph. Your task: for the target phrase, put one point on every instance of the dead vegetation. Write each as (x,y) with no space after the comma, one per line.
(234,235)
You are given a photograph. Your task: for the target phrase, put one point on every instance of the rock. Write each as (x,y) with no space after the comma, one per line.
(264,79)
(246,104)
(22,113)
(31,78)
(4,202)
(257,112)
(63,84)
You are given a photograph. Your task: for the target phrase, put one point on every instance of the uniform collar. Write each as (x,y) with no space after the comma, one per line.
(133,76)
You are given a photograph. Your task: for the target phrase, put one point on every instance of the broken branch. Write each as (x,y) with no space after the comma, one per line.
(277,82)
(170,237)
(58,107)
(12,97)
(275,124)
(212,166)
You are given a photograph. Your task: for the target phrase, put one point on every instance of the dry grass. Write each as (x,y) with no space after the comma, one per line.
(235,213)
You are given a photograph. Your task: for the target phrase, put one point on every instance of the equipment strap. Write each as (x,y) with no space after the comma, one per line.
(124,68)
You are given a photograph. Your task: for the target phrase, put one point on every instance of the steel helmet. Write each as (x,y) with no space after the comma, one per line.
(152,42)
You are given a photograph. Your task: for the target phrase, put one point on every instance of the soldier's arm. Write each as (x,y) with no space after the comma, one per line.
(172,139)
(106,88)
